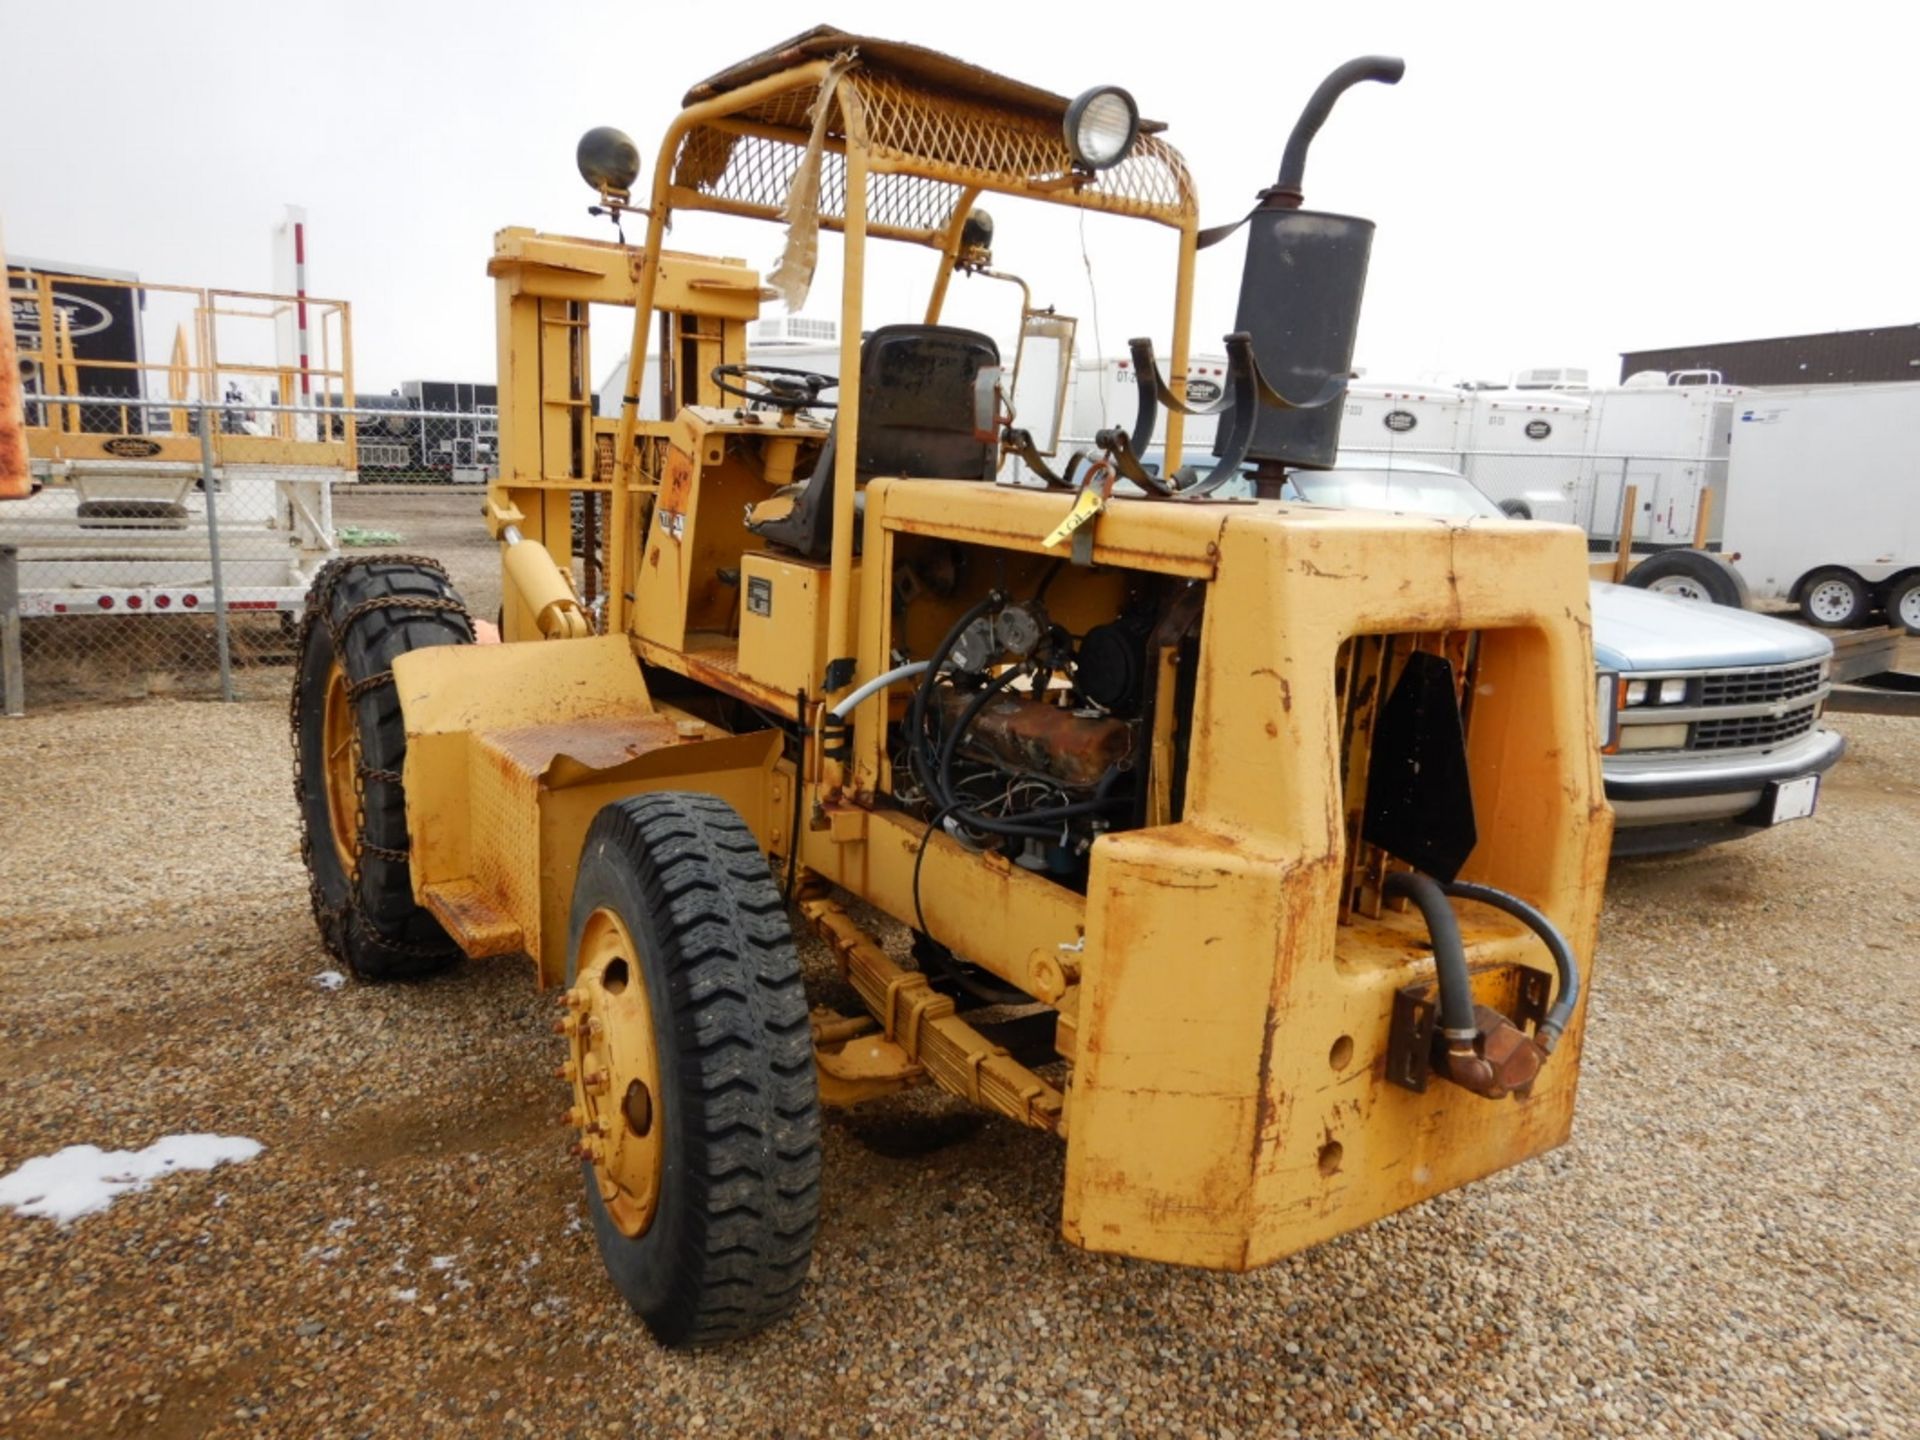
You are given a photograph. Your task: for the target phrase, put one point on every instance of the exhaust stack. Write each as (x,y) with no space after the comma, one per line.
(1300,291)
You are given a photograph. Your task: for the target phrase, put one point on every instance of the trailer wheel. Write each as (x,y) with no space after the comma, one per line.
(691,1057)
(1834,597)
(1691,575)
(1903,603)
(1515,509)
(349,747)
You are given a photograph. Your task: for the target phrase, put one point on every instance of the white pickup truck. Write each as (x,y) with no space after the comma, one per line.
(1716,727)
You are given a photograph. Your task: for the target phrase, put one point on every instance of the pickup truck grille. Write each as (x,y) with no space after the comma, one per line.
(1752,730)
(1752,687)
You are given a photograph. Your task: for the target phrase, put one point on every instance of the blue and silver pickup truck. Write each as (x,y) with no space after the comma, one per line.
(1715,731)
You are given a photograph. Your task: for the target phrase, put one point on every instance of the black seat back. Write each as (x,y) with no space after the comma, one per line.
(916,419)
(916,403)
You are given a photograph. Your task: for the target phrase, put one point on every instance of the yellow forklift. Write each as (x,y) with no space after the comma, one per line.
(1252,848)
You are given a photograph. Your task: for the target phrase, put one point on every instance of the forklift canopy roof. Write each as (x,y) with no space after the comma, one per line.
(933,127)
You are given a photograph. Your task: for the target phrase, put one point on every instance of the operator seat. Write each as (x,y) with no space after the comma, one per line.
(916,419)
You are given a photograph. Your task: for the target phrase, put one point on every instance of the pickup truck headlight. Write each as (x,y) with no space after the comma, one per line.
(1671,691)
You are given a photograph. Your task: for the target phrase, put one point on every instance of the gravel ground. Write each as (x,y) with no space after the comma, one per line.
(1728,1246)
(441,521)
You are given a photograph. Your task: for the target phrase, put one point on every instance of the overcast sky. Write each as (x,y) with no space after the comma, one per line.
(1552,185)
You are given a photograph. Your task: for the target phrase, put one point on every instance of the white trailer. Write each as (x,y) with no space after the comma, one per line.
(1104,392)
(1667,436)
(1529,450)
(1823,500)
(1420,422)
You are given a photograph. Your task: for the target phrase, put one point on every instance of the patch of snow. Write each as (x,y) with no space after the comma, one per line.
(329,979)
(441,1262)
(82,1179)
(406,1297)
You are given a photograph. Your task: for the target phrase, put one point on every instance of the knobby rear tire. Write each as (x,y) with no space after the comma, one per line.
(377,610)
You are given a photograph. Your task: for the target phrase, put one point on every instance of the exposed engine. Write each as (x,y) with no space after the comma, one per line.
(1027,739)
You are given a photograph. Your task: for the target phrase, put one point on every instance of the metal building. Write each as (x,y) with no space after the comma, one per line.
(1837,357)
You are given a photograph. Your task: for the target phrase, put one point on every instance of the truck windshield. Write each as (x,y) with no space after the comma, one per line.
(1423,492)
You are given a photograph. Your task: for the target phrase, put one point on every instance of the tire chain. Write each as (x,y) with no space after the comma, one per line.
(334,919)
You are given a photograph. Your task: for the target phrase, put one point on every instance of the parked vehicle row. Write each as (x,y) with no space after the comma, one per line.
(1711,713)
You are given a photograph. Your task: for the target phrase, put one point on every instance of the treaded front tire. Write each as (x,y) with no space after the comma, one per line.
(360,615)
(728,1242)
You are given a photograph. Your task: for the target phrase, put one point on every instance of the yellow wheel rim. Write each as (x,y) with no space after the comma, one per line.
(616,1072)
(340,739)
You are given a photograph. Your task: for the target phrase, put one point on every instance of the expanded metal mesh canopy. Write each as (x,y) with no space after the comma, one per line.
(934,128)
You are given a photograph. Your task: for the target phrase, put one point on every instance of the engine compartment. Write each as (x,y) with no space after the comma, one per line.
(1031,730)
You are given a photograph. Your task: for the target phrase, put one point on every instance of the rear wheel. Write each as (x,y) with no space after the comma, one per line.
(350,745)
(1691,575)
(1834,597)
(691,1058)
(1903,604)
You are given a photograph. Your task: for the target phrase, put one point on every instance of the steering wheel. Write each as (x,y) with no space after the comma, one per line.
(778,386)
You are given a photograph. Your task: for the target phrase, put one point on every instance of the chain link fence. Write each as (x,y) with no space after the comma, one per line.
(136,570)
(128,576)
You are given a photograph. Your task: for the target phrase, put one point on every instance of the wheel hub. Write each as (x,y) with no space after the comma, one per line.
(340,739)
(615,1069)
(1831,600)
(1680,588)
(1909,608)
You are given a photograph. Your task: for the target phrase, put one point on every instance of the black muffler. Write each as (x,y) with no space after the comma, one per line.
(1300,294)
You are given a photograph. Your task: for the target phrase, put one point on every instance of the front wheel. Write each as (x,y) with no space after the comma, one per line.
(691,1058)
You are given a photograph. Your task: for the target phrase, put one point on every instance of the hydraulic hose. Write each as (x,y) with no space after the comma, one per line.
(1555,1023)
(919,752)
(1449,952)
(1430,896)
(874,686)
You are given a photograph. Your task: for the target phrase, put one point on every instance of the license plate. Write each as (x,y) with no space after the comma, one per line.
(1794,799)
